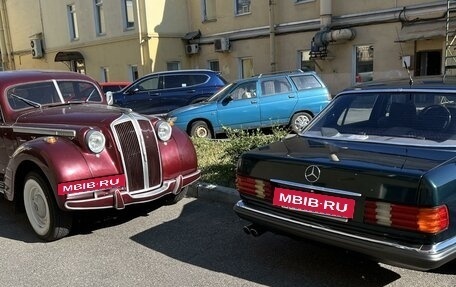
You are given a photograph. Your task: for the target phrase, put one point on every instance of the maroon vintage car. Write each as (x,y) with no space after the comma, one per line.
(64,148)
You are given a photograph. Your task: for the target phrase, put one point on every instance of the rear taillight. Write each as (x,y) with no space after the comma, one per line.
(256,187)
(426,220)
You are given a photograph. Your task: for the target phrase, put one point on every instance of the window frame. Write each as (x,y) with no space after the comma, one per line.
(100,23)
(72,22)
(128,14)
(360,67)
(208,12)
(237,9)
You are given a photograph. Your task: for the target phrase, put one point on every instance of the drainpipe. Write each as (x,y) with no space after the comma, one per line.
(6,62)
(325,14)
(325,36)
(272,61)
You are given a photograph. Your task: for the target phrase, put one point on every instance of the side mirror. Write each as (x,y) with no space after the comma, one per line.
(226,100)
(109,98)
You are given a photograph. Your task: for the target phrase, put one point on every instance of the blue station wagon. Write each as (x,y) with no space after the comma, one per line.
(282,99)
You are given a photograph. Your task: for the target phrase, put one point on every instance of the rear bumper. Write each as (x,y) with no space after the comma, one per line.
(117,198)
(419,257)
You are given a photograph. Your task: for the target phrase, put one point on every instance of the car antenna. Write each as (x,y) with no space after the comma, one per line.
(405,63)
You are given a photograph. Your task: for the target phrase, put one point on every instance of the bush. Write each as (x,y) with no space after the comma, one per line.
(217,159)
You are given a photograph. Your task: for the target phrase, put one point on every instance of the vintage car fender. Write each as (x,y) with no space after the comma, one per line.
(61,161)
(178,155)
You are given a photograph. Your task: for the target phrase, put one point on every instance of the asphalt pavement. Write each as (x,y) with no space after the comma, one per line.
(213,192)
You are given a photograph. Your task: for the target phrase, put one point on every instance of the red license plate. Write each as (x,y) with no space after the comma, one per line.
(314,203)
(93,184)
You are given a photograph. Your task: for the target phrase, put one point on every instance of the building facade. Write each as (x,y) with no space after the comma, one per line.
(345,42)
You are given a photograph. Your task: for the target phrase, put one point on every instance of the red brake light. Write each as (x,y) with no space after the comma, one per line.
(426,220)
(257,187)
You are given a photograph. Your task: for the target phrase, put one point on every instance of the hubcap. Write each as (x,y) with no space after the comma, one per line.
(201,132)
(301,122)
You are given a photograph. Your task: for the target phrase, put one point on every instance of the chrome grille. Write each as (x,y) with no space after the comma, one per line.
(137,144)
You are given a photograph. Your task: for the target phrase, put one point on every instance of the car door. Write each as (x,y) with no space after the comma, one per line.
(178,90)
(240,109)
(143,96)
(278,99)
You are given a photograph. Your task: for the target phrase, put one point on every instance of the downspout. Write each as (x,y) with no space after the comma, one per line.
(272,59)
(325,14)
(325,36)
(7,62)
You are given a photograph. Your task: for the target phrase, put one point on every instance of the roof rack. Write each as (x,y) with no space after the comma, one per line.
(279,72)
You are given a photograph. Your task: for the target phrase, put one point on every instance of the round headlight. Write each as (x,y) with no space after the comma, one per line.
(164,130)
(95,141)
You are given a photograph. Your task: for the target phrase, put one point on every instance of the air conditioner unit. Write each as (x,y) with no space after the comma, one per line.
(191,49)
(222,45)
(37,49)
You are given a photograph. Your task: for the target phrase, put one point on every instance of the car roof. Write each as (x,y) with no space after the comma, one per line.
(114,83)
(276,74)
(425,82)
(8,78)
(185,71)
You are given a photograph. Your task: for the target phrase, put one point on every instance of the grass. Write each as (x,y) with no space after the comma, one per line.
(217,158)
(215,167)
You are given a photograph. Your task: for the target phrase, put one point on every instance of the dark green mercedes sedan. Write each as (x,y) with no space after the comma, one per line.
(374,172)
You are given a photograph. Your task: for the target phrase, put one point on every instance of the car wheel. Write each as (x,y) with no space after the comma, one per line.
(175,198)
(46,219)
(299,121)
(200,130)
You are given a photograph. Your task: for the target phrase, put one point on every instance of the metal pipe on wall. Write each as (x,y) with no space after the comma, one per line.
(325,13)
(272,58)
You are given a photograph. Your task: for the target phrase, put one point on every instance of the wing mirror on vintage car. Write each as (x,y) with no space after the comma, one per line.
(109,98)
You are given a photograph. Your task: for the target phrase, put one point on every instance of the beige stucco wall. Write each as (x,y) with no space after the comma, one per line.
(161,24)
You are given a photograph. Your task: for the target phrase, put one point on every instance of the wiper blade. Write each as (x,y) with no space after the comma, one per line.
(27,101)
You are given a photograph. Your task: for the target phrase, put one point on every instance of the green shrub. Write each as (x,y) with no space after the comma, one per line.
(217,158)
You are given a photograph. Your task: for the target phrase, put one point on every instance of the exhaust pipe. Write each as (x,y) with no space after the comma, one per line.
(254,230)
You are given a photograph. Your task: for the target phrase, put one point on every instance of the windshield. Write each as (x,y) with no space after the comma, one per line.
(52,93)
(417,118)
(220,94)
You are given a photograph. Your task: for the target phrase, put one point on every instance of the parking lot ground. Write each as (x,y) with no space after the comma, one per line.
(197,242)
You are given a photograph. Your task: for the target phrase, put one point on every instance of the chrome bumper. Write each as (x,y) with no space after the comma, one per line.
(418,257)
(117,198)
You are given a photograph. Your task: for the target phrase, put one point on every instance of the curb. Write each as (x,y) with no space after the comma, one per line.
(213,192)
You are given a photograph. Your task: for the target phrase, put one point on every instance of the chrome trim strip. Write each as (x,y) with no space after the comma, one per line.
(45,131)
(421,249)
(319,188)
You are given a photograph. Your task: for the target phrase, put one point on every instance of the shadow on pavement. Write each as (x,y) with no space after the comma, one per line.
(211,237)
(14,225)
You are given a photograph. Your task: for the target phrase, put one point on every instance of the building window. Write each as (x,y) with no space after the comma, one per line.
(208,10)
(73,22)
(303,1)
(129,16)
(305,63)
(364,69)
(214,65)
(173,65)
(247,68)
(99,17)
(242,7)
(428,63)
(104,74)
(133,73)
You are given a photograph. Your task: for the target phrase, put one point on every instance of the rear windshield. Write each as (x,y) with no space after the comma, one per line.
(418,118)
